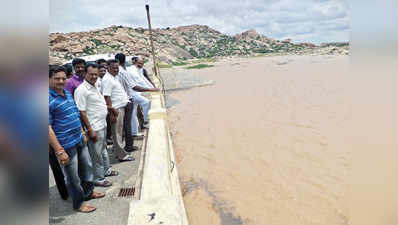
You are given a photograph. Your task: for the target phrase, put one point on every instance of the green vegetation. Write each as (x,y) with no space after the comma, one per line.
(97,42)
(342,44)
(88,51)
(193,52)
(140,30)
(175,43)
(202,60)
(131,35)
(68,57)
(199,66)
(177,63)
(115,47)
(164,65)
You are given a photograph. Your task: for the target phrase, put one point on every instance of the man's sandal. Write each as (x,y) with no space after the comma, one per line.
(86,208)
(105,183)
(113,173)
(127,158)
(96,195)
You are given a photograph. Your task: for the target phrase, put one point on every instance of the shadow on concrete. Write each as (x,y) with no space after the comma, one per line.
(57,207)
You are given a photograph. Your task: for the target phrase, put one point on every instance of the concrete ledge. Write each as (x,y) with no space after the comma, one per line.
(164,210)
(157,114)
(160,200)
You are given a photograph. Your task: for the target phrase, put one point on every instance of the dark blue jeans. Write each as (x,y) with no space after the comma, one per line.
(79,174)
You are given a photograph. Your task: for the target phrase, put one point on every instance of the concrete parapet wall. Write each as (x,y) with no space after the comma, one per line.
(160,200)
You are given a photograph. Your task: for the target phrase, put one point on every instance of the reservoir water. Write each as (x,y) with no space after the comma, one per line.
(266,144)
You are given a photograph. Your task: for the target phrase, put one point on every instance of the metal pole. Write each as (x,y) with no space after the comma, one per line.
(151,39)
(155,68)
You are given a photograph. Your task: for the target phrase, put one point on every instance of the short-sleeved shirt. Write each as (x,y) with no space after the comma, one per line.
(64,118)
(127,81)
(139,77)
(72,83)
(113,88)
(98,84)
(89,99)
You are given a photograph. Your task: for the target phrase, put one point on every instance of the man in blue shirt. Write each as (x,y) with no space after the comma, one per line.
(68,142)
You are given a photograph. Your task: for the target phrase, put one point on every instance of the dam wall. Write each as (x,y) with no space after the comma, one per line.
(159,198)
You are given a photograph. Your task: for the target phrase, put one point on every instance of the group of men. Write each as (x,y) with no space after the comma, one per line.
(101,99)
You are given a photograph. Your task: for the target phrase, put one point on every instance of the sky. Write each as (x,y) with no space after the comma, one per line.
(315,21)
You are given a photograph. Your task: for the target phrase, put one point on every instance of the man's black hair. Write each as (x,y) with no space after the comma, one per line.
(121,57)
(110,61)
(53,69)
(92,65)
(69,69)
(101,66)
(99,61)
(76,61)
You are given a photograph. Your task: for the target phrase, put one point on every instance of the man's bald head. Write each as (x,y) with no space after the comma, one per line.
(140,62)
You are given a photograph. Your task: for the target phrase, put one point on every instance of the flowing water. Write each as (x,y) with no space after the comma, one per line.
(266,144)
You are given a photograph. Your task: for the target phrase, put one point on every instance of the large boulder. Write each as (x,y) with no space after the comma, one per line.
(58,39)
(61,47)
(76,49)
(122,36)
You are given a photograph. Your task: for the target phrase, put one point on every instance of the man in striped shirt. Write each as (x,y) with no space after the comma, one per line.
(68,142)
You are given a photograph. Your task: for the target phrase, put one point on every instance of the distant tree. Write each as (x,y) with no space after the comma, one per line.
(193,52)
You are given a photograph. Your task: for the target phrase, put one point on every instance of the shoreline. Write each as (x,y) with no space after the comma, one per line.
(178,78)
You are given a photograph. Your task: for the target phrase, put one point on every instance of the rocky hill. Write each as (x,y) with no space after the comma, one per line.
(176,44)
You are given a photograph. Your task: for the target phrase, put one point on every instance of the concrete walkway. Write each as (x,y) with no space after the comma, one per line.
(111,209)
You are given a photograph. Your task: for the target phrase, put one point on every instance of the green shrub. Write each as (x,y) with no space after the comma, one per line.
(97,42)
(115,47)
(199,66)
(342,44)
(179,63)
(193,52)
(202,60)
(160,65)
(88,51)
(140,30)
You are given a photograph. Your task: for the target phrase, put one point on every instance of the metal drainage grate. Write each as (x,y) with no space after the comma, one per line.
(126,192)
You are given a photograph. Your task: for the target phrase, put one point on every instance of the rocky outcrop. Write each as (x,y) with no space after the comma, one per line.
(174,44)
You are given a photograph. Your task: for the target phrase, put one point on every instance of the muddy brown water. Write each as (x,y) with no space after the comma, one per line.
(266,144)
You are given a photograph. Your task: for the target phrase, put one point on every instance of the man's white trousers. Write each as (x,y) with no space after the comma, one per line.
(145,105)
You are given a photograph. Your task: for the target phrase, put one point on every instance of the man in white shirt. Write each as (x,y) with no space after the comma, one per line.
(142,85)
(101,74)
(134,90)
(93,111)
(116,101)
(129,110)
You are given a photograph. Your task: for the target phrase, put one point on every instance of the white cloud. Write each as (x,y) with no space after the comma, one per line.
(305,20)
